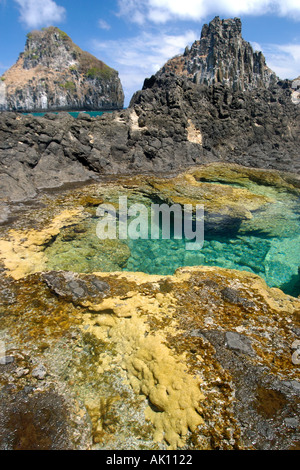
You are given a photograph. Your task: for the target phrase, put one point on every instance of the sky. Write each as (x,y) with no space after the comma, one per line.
(136,37)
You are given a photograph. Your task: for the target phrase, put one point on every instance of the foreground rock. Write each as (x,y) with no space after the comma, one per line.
(199,360)
(206,358)
(53,73)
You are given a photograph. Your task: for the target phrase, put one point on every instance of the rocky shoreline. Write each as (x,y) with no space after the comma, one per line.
(258,129)
(98,347)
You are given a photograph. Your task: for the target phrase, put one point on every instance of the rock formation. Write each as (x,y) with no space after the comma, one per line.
(54,74)
(205,358)
(223,56)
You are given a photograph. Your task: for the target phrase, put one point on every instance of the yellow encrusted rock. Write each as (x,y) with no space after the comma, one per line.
(152,370)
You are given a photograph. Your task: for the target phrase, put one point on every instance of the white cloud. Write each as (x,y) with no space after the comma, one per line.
(283,59)
(256,46)
(103,25)
(37,13)
(141,56)
(133,10)
(289,8)
(161,11)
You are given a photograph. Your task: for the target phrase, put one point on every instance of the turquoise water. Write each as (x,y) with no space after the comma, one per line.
(72,113)
(276,260)
(270,250)
(267,245)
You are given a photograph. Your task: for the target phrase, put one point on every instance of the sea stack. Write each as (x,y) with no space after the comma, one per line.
(53,73)
(223,56)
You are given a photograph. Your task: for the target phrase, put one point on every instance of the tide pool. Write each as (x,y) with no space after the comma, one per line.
(267,244)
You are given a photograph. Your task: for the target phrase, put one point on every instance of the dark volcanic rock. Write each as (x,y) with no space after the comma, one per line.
(258,128)
(69,286)
(223,56)
(230,105)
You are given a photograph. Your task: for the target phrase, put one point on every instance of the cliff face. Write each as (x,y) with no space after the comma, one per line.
(53,74)
(223,56)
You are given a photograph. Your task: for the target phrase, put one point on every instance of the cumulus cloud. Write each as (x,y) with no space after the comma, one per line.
(141,56)
(37,13)
(284,59)
(161,11)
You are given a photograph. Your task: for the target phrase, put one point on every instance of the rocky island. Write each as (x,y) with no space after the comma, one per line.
(223,56)
(53,73)
(141,345)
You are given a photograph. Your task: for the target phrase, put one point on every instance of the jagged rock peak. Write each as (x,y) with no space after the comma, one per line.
(223,56)
(54,73)
(224,28)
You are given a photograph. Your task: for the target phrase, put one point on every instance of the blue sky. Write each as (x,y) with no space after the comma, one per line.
(136,37)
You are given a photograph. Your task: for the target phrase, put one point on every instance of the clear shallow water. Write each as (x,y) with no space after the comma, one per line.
(267,245)
(72,113)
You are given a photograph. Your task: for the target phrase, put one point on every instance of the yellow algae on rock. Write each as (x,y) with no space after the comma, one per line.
(244,176)
(22,253)
(223,199)
(273,297)
(194,135)
(173,394)
(102,417)
(121,307)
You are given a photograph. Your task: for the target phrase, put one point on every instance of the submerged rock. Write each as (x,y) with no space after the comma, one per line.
(39,372)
